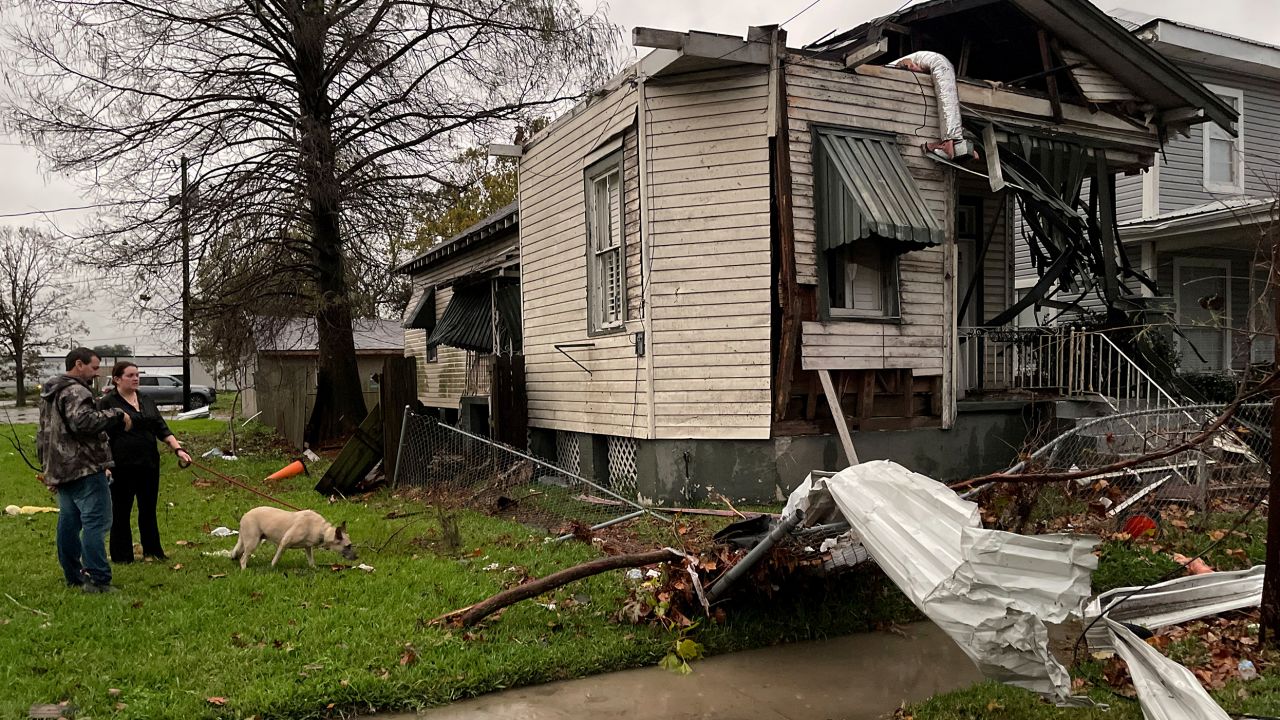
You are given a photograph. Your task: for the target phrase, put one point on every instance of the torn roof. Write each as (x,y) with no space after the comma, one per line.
(948,25)
(503,222)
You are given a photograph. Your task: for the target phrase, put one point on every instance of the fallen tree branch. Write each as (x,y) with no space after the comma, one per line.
(473,614)
(1197,440)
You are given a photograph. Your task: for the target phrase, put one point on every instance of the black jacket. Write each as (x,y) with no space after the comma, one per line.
(136,447)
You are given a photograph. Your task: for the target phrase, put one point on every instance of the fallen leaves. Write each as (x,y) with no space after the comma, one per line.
(1212,649)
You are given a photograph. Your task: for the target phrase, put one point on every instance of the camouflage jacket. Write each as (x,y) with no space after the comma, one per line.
(72,441)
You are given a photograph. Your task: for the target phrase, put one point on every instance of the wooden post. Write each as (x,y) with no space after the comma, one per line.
(787,285)
(837,414)
(1046,59)
(1269,630)
(397,388)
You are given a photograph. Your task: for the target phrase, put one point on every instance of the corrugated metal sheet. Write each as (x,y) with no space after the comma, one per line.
(467,322)
(880,198)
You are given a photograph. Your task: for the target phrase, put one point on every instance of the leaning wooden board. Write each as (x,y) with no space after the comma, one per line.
(357,458)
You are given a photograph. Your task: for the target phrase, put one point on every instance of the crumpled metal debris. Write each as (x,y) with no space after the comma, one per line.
(1173,602)
(990,591)
(1166,690)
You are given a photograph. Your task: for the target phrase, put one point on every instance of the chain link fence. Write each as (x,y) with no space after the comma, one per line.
(455,469)
(1226,474)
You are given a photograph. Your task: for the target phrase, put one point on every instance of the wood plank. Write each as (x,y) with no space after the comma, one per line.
(837,414)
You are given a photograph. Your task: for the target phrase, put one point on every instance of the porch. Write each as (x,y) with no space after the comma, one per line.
(1053,362)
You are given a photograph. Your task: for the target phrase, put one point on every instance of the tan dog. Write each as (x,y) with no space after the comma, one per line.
(303,529)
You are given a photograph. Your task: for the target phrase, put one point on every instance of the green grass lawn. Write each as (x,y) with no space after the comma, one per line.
(292,641)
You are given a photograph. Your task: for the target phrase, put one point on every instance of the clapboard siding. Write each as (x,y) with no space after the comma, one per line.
(711,277)
(886,100)
(1128,197)
(611,399)
(1182,167)
(440,383)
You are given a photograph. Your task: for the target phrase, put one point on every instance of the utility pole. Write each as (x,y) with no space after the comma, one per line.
(185,209)
(1269,632)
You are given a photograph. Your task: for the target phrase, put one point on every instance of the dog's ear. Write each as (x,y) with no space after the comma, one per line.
(342,530)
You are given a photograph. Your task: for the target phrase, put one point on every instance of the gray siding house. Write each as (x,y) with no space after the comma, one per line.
(1196,221)
(1199,217)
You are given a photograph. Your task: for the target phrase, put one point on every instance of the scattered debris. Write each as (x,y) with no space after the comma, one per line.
(200,412)
(990,591)
(222,531)
(28,510)
(472,614)
(1196,566)
(1165,688)
(1174,602)
(218,553)
(361,453)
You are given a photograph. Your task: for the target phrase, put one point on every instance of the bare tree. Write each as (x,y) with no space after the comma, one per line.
(310,124)
(35,300)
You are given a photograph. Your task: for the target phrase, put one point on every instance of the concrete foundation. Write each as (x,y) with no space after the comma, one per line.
(986,437)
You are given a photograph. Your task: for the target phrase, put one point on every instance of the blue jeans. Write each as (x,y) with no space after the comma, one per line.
(84,518)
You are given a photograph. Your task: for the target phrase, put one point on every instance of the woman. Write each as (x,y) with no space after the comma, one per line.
(137,465)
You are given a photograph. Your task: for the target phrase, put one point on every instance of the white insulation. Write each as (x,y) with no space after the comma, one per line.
(944,87)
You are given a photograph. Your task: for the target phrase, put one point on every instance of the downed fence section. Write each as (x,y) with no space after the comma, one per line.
(1224,474)
(457,469)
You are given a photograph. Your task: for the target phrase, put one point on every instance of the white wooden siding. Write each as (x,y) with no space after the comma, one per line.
(612,398)
(440,383)
(886,100)
(710,288)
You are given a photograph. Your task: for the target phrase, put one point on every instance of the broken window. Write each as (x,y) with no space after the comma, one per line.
(869,211)
(1223,154)
(606,273)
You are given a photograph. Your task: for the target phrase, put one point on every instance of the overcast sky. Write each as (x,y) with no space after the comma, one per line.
(25,187)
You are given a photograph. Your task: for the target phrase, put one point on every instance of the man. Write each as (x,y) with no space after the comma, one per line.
(72,444)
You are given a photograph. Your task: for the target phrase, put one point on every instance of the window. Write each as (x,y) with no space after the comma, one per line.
(147,382)
(606,274)
(1223,154)
(1202,303)
(868,212)
(862,281)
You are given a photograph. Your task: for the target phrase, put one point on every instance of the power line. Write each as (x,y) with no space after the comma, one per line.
(793,17)
(51,211)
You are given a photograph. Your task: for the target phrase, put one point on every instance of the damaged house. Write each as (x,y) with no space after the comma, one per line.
(737,253)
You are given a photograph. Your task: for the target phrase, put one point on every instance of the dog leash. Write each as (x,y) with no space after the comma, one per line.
(233,481)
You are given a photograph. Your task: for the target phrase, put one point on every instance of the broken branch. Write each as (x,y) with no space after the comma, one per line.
(473,614)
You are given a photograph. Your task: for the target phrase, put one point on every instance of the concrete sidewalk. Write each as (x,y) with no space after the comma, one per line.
(859,677)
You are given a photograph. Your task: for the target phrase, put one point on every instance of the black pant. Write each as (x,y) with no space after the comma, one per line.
(128,482)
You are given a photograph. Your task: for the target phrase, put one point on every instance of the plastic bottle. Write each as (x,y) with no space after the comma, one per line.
(1247,670)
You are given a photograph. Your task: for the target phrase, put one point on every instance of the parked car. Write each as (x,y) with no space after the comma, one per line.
(167,390)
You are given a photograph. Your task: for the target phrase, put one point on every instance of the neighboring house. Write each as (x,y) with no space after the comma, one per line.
(463,327)
(728,220)
(282,384)
(1198,217)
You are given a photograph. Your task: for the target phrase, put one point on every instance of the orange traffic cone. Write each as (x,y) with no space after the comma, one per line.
(294,468)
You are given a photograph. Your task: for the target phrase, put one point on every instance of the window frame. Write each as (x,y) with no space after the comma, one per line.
(612,163)
(1207,132)
(890,274)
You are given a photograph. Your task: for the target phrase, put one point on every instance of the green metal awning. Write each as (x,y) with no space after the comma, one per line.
(865,190)
(467,322)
